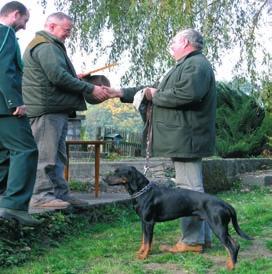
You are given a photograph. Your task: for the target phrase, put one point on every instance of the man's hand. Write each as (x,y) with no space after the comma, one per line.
(100,94)
(81,75)
(149,93)
(113,93)
(20,111)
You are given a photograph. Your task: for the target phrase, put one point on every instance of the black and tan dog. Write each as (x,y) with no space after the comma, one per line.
(155,203)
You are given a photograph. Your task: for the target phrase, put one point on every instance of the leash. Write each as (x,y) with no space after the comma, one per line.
(148,137)
(143,190)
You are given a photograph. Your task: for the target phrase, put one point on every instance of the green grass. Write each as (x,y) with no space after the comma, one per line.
(110,247)
(79,186)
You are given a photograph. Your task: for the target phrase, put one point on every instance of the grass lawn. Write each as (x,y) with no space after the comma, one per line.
(110,247)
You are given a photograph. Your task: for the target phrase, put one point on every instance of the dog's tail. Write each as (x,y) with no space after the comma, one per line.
(236,225)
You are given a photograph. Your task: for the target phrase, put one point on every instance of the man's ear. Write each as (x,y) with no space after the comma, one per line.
(186,42)
(51,25)
(15,15)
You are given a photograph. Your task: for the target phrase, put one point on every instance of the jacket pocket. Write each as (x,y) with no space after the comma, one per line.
(172,140)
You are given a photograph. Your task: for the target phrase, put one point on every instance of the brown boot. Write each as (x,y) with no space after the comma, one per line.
(182,247)
(55,204)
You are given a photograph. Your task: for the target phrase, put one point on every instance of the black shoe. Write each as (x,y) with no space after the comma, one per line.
(19,215)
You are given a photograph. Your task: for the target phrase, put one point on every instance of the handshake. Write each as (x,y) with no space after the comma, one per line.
(103,93)
(102,90)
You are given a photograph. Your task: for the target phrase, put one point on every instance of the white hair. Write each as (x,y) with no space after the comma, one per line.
(194,37)
(59,16)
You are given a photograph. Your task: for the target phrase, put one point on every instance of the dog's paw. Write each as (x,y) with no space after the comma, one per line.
(142,255)
(139,252)
(230,264)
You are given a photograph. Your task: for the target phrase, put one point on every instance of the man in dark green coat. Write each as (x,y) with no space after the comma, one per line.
(183,124)
(184,107)
(18,151)
(52,92)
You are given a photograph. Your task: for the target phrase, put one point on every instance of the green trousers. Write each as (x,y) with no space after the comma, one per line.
(4,163)
(18,162)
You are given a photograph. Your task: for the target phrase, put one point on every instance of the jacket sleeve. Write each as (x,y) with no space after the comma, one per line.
(129,93)
(53,63)
(10,76)
(189,86)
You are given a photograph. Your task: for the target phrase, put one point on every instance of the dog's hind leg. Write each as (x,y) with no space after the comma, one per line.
(220,229)
(233,252)
(145,247)
(232,249)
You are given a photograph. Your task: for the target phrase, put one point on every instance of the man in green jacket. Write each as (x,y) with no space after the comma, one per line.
(52,92)
(183,124)
(18,151)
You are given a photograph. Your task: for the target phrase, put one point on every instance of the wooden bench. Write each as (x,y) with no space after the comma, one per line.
(96,145)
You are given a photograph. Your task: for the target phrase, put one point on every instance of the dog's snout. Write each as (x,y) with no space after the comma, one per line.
(114,180)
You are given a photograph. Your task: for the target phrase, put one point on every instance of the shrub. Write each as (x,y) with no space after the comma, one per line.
(243,127)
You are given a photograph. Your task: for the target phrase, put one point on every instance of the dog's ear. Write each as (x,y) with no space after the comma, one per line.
(132,169)
(116,170)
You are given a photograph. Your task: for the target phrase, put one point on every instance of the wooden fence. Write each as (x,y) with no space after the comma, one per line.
(121,142)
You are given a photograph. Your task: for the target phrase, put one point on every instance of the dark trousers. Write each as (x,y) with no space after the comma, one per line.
(4,164)
(18,162)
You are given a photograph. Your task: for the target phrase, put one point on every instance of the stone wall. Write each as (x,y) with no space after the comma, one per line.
(219,174)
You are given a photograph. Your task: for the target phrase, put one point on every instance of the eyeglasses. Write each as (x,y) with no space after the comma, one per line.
(66,30)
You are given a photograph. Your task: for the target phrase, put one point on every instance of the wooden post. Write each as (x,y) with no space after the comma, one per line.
(96,163)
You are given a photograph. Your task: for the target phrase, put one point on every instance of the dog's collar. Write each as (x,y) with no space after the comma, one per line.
(143,190)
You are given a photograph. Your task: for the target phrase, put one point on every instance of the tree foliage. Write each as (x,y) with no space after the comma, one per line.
(114,114)
(141,30)
(266,94)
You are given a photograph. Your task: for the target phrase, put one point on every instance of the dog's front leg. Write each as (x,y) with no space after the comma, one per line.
(147,229)
(142,246)
(141,249)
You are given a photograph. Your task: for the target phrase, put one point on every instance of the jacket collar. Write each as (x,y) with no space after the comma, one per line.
(51,38)
(180,61)
(196,52)
(7,26)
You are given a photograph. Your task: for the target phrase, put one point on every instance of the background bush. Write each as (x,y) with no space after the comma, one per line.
(243,126)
